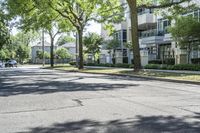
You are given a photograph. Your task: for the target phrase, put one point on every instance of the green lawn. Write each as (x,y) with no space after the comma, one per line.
(165,75)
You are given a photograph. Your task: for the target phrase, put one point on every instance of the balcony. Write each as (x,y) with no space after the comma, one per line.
(147,19)
(151,37)
(150,33)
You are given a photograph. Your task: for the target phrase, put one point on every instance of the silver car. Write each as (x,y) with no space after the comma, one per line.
(11,63)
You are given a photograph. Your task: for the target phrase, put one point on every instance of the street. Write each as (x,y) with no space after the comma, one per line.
(34,100)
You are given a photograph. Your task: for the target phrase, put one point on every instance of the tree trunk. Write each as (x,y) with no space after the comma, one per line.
(51,53)
(134,34)
(80,61)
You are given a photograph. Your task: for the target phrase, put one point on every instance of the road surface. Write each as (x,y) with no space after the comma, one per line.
(34,100)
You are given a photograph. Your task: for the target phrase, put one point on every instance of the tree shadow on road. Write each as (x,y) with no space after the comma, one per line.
(141,124)
(45,87)
(19,82)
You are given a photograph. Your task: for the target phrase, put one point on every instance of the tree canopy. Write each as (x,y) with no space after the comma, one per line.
(64,39)
(186,32)
(4,31)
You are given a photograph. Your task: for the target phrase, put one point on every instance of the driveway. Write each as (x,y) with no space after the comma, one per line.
(34,100)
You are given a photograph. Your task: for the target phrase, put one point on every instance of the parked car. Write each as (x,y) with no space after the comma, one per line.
(1,64)
(11,63)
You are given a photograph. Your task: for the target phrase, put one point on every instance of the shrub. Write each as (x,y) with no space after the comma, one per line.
(169,61)
(190,67)
(73,63)
(111,65)
(155,62)
(123,65)
(195,61)
(186,67)
(153,66)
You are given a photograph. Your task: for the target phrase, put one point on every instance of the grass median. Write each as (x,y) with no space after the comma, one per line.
(129,72)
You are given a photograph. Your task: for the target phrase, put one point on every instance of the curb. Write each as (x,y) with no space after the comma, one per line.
(134,76)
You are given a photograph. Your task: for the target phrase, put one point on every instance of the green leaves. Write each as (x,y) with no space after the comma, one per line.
(65,39)
(92,42)
(186,30)
(63,53)
(4,31)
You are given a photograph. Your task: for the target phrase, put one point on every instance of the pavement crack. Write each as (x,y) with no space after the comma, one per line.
(79,102)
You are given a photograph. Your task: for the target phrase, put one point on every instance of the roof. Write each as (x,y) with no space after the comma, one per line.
(69,45)
(39,44)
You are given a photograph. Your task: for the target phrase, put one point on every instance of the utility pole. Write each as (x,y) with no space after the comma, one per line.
(43,56)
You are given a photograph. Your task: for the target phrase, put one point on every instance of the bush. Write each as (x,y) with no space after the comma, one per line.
(169,61)
(186,67)
(195,61)
(111,65)
(190,67)
(152,66)
(73,63)
(155,62)
(123,65)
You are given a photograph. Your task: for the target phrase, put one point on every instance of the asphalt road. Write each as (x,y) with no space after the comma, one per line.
(34,100)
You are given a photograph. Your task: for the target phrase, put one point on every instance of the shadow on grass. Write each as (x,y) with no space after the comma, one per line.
(141,124)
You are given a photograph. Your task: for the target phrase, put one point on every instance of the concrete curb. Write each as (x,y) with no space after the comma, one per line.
(135,76)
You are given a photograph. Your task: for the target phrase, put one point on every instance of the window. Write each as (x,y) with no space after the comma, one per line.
(124,36)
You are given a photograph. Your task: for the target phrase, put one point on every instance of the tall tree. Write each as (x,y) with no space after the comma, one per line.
(79,13)
(37,15)
(22,52)
(4,31)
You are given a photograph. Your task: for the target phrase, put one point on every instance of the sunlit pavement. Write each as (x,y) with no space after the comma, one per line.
(35,100)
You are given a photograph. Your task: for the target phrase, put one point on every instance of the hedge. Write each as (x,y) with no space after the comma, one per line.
(195,61)
(190,67)
(168,61)
(111,65)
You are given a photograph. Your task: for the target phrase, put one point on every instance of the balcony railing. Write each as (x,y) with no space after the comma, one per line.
(150,33)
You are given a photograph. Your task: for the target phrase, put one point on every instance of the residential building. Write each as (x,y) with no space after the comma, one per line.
(155,42)
(71,47)
(39,47)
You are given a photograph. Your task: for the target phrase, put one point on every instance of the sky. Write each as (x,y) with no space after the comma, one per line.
(92,27)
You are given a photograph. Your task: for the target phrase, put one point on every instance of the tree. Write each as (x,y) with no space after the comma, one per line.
(4,32)
(37,15)
(65,39)
(79,13)
(186,32)
(174,7)
(22,52)
(63,53)
(92,42)
(40,54)
(112,44)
